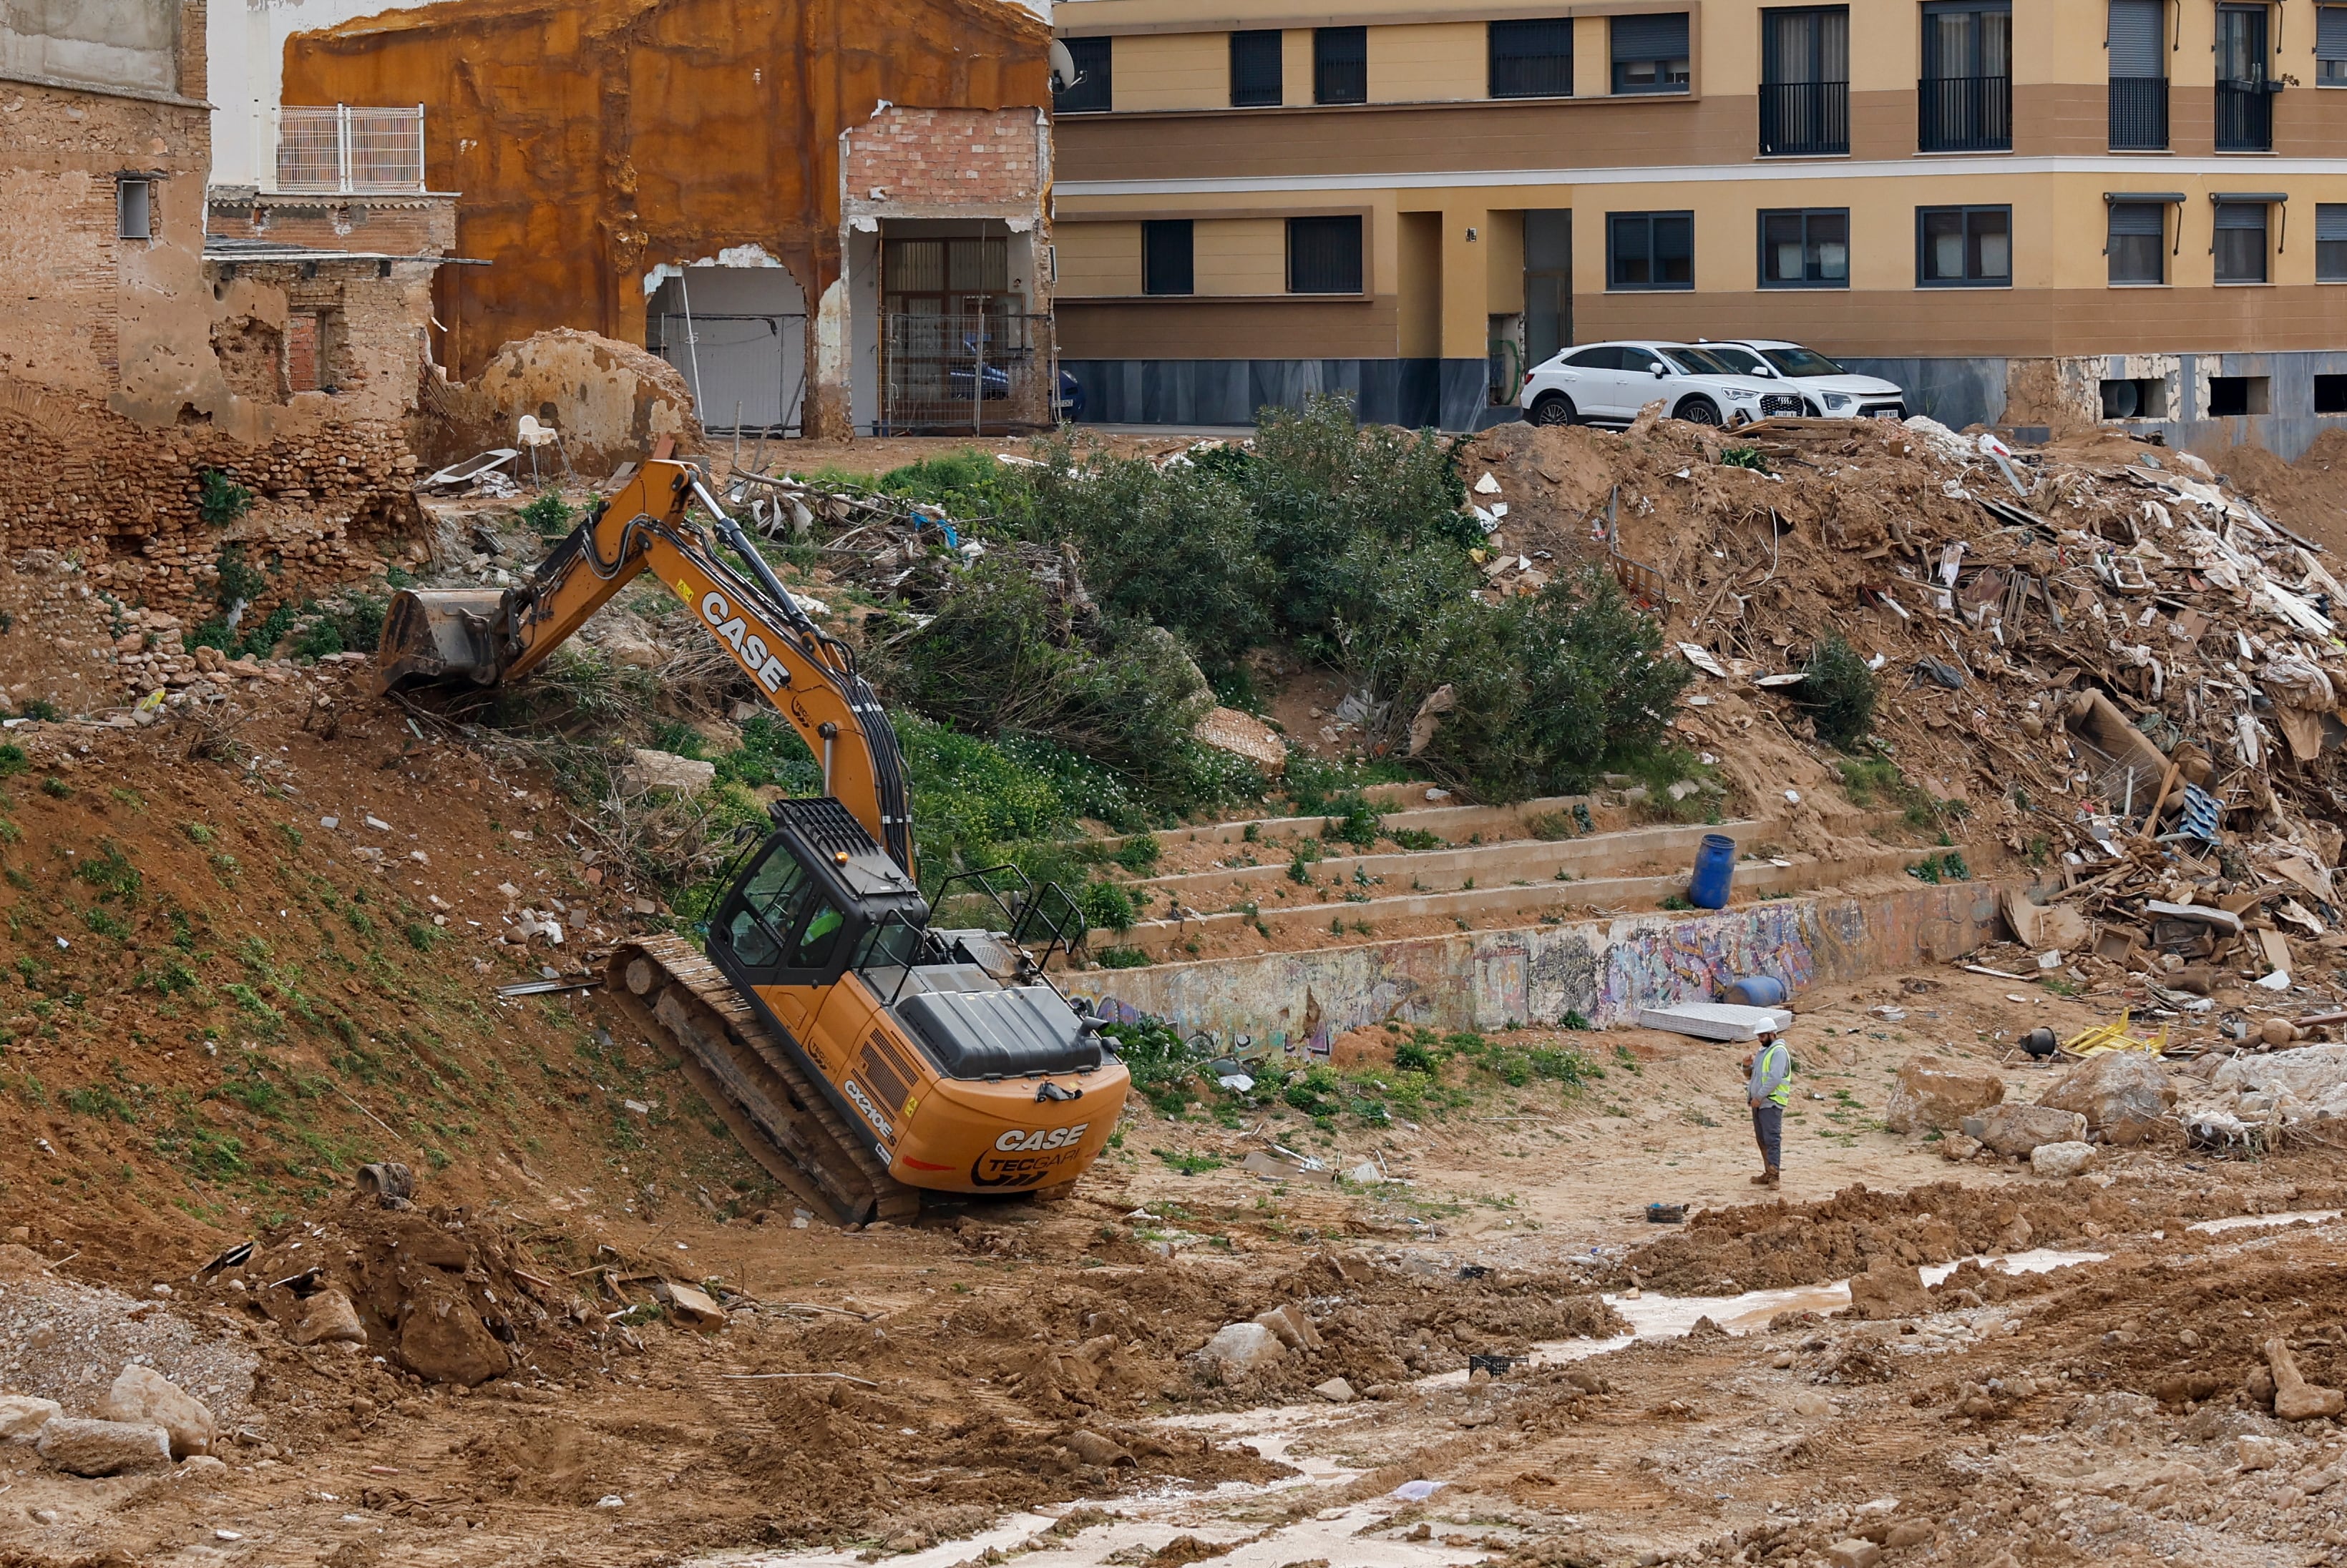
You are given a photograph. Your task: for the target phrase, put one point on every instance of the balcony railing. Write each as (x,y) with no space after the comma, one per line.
(2138,113)
(1965,114)
(2244,117)
(1804,119)
(348,150)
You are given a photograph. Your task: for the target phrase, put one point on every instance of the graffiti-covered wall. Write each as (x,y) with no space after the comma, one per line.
(1605,971)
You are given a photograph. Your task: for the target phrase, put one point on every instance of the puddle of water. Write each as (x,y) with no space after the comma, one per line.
(2260,1221)
(1150,1519)
(1670,1317)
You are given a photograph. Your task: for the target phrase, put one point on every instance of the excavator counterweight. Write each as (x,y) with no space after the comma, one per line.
(859,1050)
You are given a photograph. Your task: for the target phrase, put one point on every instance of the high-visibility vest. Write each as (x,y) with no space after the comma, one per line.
(1782,1092)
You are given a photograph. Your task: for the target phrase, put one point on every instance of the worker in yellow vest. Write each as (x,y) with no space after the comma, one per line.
(1770,1086)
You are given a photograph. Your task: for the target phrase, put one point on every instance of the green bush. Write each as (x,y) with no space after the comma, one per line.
(547,513)
(1175,549)
(1838,693)
(1551,690)
(968,485)
(1001,659)
(1108,907)
(220,500)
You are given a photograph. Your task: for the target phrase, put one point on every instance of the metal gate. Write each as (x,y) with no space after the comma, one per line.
(966,374)
(747,370)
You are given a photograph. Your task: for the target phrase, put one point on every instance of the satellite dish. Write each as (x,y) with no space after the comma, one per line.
(1064,74)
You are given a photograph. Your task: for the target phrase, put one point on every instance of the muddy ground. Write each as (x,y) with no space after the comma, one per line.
(221,1005)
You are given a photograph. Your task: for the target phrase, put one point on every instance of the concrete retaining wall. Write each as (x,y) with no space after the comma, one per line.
(1604,970)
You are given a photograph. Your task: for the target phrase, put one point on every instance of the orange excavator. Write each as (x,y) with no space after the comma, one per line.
(862,1045)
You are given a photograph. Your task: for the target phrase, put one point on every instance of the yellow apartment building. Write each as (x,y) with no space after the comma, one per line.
(2136,209)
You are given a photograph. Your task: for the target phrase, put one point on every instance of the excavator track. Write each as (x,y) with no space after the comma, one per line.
(755,1082)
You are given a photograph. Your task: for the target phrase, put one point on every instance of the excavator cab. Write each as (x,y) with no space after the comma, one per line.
(916,1028)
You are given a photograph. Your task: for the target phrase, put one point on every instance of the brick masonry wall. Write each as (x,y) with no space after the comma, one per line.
(404,226)
(914,158)
(114,400)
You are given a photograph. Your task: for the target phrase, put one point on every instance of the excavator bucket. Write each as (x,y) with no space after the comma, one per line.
(447,637)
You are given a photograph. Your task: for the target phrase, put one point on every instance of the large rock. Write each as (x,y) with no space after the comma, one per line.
(2295,1398)
(2313,1073)
(328,1317)
(1295,1330)
(1242,1349)
(2123,1095)
(443,1340)
(102,1448)
(1932,1093)
(143,1396)
(647,771)
(1888,1288)
(2061,1161)
(2016,1129)
(21,1416)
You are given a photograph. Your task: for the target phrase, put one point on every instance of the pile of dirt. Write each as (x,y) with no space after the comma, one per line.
(1765,1246)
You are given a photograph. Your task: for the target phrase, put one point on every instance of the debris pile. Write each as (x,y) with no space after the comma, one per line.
(2100,653)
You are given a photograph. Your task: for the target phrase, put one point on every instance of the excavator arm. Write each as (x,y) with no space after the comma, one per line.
(485,638)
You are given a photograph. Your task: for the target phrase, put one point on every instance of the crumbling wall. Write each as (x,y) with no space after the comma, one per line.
(330,504)
(596,138)
(611,402)
(387,225)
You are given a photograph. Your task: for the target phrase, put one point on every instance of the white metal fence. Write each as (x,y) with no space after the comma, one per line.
(347,150)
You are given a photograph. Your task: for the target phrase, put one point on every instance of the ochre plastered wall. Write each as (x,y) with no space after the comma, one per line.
(593,141)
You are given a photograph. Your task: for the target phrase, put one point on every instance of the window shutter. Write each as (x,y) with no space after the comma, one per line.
(2241,215)
(2138,31)
(1654,37)
(1256,69)
(2331,221)
(2331,33)
(2138,218)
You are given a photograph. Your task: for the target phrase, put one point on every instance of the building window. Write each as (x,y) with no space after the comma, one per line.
(2136,241)
(2241,242)
(2234,397)
(1258,69)
(134,208)
(1532,59)
(2139,51)
(2330,242)
(1166,256)
(1964,247)
(2331,394)
(1650,53)
(1089,93)
(2330,46)
(1965,97)
(1341,65)
(2244,99)
(1805,250)
(1805,82)
(1650,250)
(1324,255)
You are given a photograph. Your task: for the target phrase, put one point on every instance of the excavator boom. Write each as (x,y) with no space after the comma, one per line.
(488,637)
(859,1052)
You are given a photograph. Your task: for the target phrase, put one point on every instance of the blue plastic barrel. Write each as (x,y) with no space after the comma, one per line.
(1715,868)
(1756,990)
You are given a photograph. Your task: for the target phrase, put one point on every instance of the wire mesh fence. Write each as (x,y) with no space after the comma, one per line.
(350,149)
(952,374)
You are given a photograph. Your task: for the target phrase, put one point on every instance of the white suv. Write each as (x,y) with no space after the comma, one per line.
(1833,391)
(1608,383)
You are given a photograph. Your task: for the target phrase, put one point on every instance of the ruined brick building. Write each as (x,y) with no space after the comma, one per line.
(138,360)
(828,216)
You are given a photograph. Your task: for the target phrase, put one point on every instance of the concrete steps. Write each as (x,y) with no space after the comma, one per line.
(1352,896)
(1664,846)
(1452,824)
